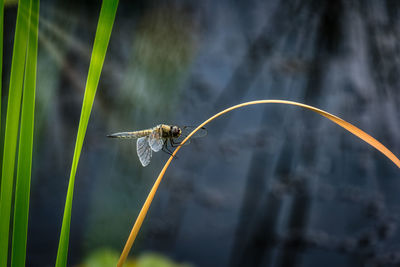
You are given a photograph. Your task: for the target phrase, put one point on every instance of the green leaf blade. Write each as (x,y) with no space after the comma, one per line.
(103,33)
(12,124)
(22,190)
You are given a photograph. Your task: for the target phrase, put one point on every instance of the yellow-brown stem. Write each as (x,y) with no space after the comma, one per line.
(348,126)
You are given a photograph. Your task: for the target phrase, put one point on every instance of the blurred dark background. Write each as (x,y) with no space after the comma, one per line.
(270,185)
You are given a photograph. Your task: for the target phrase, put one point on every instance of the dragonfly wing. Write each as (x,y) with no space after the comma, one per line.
(186,130)
(143,150)
(156,141)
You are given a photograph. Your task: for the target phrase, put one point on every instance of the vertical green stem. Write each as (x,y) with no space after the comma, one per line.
(12,123)
(104,27)
(22,189)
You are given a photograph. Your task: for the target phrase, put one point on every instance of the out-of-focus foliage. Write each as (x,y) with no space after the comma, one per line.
(103,258)
(156,259)
(109,257)
(163,47)
(10,2)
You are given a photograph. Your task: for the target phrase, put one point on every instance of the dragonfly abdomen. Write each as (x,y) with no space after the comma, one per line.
(130,135)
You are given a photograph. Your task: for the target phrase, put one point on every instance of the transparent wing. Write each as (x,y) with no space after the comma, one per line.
(156,141)
(143,150)
(186,130)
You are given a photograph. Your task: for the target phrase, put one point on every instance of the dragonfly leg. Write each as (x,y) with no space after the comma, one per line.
(174,144)
(165,149)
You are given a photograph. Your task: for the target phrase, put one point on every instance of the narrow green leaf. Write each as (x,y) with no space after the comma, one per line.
(1,50)
(104,27)
(12,124)
(22,189)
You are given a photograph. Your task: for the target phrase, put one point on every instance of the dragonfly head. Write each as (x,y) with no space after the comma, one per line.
(176,131)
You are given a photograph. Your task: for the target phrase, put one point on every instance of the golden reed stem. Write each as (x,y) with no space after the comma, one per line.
(348,126)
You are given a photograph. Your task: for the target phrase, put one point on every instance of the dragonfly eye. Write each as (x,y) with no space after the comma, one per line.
(176,132)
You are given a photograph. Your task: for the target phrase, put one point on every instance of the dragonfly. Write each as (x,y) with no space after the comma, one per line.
(157,138)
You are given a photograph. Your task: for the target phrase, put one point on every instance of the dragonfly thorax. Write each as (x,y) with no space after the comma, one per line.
(170,131)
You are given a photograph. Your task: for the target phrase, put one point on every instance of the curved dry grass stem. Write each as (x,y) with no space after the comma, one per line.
(348,126)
